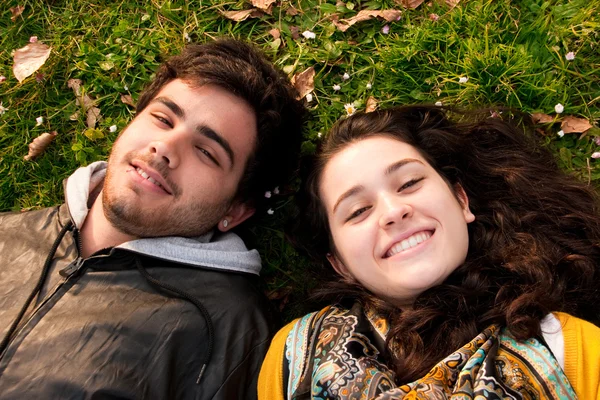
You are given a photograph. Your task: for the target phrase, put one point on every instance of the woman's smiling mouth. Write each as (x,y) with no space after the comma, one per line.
(410,242)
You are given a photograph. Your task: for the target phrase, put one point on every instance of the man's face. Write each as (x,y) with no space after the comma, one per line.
(174,171)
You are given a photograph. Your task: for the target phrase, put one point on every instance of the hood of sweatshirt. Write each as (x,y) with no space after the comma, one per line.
(213,250)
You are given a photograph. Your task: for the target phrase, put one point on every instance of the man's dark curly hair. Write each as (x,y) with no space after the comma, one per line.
(533,247)
(243,70)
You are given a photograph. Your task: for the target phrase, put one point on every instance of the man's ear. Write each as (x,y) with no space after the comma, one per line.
(238,212)
(338,266)
(463,199)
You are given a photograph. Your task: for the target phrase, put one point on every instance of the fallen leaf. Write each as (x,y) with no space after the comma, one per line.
(304,82)
(127,99)
(263,4)
(452,3)
(242,15)
(74,116)
(572,124)
(411,3)
(295,31)
(83,100)
(275,33)
(16,11)
(291,11)
(371,104)
(93,134)
(92,116)
(29,59)
(39,144)
(539,118)
(364,15)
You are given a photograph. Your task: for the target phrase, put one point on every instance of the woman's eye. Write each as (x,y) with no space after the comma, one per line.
(410,183)
(357,213)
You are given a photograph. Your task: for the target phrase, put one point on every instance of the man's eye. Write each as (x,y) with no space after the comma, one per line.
(163,120)
(357,213)
(207,154)
(410,183)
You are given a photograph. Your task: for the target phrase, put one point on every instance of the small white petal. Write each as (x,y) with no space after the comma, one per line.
(345,76)
(596,154)
(570,56)
(463,79)
(337,87)
(276,190)
(438,103)
(560,133)
(33,39)
(2,78)
(319,135)
(2,109)
(309,98)
(268,194)
(270,211)
(369,86)
(113,128)
(559,108)
(126,87)
(39,120)
(309,35)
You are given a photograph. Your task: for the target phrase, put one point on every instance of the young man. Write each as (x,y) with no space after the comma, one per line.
(144,292)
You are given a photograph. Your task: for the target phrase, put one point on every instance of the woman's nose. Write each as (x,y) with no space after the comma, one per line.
(394,210)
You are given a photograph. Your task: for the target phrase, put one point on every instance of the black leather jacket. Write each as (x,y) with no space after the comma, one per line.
(99,329)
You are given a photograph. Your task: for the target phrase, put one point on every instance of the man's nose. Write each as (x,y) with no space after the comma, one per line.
(394,210)
(167,149)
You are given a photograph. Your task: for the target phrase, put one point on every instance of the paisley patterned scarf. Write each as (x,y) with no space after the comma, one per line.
(337,354)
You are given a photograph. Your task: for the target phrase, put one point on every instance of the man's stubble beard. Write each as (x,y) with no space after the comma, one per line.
(188,220)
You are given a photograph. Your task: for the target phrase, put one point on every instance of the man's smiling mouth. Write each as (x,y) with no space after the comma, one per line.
(144,175)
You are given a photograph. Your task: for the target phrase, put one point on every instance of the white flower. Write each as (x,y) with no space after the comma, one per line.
(276,190)
(268,194)
(33,39)
(570,56)
(126,87)
(337,87)
(560,133)
(369,86)
(438,103)
(596,154)
(463,79)
(350,109)
(345,77)
(113,128)
(39,121)
(2,109)
(385,30)
(309,34)
(270,211)
(187,37)
(309,98)
(319,135)
(559,108)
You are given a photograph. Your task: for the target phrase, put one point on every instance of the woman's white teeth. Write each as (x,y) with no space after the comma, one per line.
(409,243)
(146,176)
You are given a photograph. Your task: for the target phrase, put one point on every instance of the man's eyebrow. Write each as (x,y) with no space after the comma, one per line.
(171,105)
(358,188)
(220,140)
(399,164)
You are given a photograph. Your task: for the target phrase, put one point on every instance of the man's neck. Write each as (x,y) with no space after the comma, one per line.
(98,233)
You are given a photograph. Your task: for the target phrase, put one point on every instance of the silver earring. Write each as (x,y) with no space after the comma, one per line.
(225,223)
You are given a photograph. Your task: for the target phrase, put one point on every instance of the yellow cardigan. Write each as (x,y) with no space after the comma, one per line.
(582,359)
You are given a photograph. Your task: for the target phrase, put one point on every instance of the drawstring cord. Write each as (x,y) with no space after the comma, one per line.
(37,287)
(186,296)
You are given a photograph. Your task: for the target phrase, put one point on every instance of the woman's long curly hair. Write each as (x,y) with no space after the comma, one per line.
(533,247)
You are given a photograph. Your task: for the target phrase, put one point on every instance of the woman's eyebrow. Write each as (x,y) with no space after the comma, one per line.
(399,164)
(348,193)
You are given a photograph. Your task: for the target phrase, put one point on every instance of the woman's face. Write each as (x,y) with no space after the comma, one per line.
(397,226)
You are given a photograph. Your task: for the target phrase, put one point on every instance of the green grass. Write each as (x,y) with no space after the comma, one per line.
(512,52)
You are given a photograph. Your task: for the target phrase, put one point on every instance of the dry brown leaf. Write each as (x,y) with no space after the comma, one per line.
(92,116)
(295,31)
(572,124)
(371,104)
(275,33)
(83,100)
(39,144)
(539,118)
(304,82)
(16,11)
(127,99)
(29,59)
(291,11)
(263,4)
(242,14)
(411,3)
(452,3)
(364,15)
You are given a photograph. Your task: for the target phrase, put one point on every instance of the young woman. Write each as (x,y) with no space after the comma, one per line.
(467,265)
